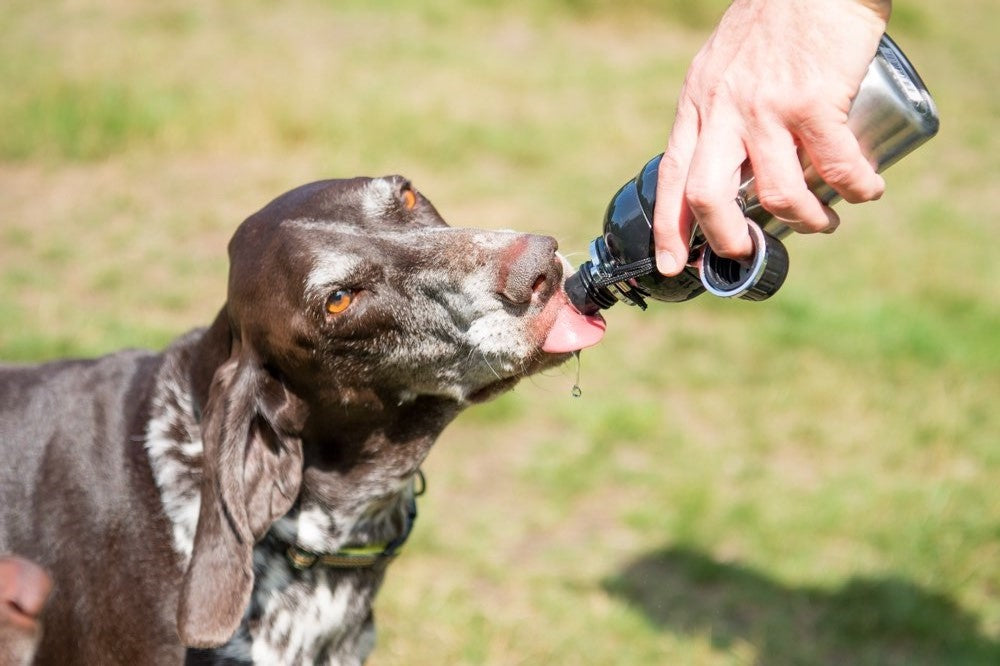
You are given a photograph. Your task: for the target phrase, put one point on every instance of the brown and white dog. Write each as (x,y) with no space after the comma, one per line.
(241,493)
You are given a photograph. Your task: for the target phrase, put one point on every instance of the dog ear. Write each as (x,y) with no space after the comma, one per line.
(252,471)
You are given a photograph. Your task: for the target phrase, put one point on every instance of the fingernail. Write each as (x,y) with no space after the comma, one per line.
(833,220)
(666,263)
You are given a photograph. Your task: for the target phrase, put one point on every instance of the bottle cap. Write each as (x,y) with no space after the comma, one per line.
(755,279)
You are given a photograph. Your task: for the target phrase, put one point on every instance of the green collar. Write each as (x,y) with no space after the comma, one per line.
(361,557)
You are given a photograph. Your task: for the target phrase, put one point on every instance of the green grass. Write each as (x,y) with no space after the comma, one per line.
(810,480)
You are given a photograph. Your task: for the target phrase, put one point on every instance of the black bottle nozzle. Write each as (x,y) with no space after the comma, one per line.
(587,297)
(604,280)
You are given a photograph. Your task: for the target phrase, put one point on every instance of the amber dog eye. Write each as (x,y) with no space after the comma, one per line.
(409,199)
(339,301)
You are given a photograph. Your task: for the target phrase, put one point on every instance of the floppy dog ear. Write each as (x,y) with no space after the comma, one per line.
(252,471)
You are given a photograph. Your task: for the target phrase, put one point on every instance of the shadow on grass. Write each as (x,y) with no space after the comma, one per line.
(884,621)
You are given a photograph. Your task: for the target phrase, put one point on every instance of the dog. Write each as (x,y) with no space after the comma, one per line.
(24,587)
(237,498)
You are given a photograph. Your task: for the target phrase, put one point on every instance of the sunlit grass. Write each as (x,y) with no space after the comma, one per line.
(810,480)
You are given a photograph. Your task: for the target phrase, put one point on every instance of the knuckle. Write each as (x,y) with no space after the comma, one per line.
(867,192)
(852,183)
(702,198)
(821,220)
(812,226)
(809,105)
(797,114)
(777,202)
(671,166)
(794,208)
(838,173)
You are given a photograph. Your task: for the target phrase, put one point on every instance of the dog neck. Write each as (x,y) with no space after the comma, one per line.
(359,459)
(357,490)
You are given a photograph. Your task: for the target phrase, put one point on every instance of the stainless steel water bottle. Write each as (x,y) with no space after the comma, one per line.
(892,114)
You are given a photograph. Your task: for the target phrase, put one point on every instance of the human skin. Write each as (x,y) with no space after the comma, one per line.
(773,84)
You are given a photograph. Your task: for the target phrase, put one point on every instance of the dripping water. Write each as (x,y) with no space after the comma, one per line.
(577,391)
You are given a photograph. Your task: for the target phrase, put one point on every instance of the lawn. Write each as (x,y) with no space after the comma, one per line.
(810,480)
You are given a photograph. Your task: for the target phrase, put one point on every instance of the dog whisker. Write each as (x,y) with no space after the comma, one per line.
(490,366)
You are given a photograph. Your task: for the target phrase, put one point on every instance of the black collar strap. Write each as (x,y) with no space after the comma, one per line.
(360,557)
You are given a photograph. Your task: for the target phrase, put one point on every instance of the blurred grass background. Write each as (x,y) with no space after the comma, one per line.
(813,480)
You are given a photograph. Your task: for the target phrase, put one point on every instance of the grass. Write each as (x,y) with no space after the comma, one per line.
(805,481)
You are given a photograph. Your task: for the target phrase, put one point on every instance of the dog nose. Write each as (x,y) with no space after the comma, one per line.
(528,267)
(24,586)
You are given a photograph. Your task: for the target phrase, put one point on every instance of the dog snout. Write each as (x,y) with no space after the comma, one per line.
(528,269)
(24,587)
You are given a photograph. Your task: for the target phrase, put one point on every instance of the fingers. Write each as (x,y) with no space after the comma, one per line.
(835,154)
(699,173)
(781,185)
(671,217)
(712,184)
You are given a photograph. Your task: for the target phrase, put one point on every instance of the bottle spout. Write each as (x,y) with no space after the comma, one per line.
(581,293)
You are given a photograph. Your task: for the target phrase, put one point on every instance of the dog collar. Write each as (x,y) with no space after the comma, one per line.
(361,557)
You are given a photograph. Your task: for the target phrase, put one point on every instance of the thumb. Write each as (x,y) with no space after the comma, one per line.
(672,219)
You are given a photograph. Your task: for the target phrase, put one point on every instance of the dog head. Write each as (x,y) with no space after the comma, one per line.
(357,325)
(359,286)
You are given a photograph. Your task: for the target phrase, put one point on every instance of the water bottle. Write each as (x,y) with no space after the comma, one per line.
(891,115)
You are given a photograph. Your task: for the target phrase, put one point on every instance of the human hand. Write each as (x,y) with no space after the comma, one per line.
(775,80)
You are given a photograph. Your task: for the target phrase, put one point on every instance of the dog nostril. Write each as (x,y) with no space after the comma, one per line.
(516,294)
(526,269)
(521,290)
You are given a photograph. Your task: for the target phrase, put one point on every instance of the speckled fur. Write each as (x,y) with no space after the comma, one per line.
(315,616)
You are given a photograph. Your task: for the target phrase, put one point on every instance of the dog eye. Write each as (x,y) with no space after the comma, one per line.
(339,301)
(409,198)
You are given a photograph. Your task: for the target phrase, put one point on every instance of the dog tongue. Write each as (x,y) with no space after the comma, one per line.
(573,331)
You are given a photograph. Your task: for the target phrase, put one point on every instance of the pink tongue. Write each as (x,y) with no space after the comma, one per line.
(573,331)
